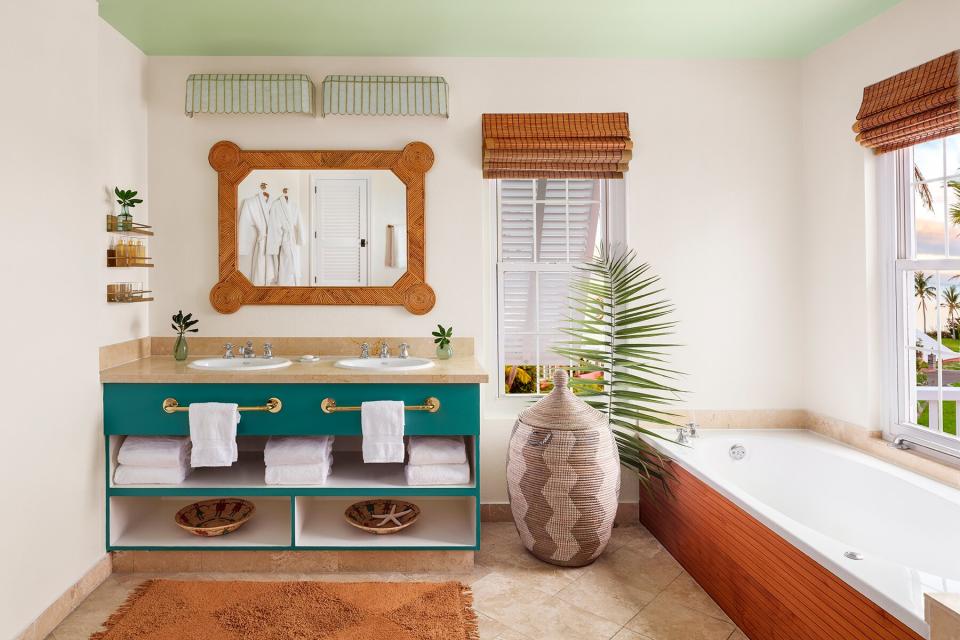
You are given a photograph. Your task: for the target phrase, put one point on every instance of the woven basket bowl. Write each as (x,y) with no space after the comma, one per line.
(362,515)
(209,518)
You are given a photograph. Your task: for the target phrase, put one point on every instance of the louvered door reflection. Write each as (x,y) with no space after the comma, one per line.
(340,232)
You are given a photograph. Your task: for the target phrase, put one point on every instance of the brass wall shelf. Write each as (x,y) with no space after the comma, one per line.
(120,261)
(138,229)
(430,405)
(131,301)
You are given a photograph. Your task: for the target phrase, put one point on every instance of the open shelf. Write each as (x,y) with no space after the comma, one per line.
(445,522)
(349,476)
(138,229)
(147,522)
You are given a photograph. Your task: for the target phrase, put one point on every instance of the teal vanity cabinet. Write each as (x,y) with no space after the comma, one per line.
(140,517)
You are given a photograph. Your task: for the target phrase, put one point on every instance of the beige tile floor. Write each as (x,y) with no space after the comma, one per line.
(635,591)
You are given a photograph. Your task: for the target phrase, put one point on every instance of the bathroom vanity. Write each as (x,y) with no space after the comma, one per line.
(149,397)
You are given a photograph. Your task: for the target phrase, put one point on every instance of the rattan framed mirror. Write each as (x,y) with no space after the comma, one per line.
(341,198)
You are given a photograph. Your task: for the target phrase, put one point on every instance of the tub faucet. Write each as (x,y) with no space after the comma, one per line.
(228,350)
(267,350)
(682,436)
(384,349)
(365,350)
(692,429)
(247,351)
(404,350)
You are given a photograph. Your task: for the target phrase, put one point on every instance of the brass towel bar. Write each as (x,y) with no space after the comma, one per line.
(430,405)
(170,405)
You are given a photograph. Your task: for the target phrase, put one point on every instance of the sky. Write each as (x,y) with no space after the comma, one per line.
(937,159)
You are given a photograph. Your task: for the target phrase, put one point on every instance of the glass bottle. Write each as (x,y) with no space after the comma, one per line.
(125,219)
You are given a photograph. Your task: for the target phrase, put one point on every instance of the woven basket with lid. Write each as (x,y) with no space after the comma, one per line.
(563,478)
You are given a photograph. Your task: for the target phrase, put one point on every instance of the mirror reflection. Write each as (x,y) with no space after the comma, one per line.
(327,228)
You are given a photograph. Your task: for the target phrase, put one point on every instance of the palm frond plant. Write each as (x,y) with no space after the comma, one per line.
(954,186)
(951,303)
(619,319)
(924,292)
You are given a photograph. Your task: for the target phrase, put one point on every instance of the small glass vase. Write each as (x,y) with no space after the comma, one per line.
(125,219)
(445,353)
(180,348)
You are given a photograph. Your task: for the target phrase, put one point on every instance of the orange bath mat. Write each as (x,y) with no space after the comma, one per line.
(185,610)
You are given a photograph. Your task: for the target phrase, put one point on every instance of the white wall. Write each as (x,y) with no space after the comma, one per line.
(841,306)
(713,192)
(59,155)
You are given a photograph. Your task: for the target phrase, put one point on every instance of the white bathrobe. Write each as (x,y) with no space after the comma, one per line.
(284,238)
(252,236)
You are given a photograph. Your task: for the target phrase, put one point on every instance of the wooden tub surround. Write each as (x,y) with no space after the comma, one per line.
(768,587)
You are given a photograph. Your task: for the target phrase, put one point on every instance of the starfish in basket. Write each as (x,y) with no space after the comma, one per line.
(392,516)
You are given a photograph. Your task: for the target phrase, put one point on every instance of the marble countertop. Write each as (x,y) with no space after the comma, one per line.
(459,369)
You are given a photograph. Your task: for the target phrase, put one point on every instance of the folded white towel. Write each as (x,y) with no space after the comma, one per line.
(298,473)
(154,451)
(426,474)
(436,450)
(130,474)
(296,450)
(213,432)
(382,425)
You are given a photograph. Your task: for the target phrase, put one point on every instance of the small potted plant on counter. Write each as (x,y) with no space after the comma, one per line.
(127,200)
(182,324)
(442,338)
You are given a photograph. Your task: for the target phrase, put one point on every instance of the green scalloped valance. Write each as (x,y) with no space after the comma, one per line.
(249,93)
(386,96)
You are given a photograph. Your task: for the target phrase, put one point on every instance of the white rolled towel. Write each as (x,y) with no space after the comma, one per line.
(297,450)
(154,451)
(298,473)
(436,450)
(427,474)
(131,474)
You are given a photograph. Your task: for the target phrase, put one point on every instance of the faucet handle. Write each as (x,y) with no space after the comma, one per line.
(404,350)
(267,350)
(691,429)
(365,350)
(228,350)
(681,435)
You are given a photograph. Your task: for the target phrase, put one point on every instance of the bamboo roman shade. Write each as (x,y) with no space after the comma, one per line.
(555,145)
(917,105)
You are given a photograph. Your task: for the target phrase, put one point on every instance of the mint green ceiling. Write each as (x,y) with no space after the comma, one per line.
(573,28)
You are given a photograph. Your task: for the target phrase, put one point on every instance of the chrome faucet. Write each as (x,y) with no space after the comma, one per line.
(267,350)
(404,350)
(228,350)
(247,351)
(682,436)
(384,349)
(365,350)
(692,429)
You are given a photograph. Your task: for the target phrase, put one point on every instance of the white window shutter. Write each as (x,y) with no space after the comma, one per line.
(545,228)
(341,223)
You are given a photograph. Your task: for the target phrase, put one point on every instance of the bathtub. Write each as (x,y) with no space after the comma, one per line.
(827,499)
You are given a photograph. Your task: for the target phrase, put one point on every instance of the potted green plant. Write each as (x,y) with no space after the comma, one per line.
(442,339)
(127,200)
(182,324)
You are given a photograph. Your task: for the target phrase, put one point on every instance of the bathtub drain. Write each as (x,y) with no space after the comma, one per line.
(853,555)
(738,452)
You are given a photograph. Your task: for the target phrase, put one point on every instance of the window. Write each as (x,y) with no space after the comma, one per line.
(927,290)
(545,228)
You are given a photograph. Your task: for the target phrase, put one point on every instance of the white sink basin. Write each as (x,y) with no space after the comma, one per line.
(239,364)
(385,364)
